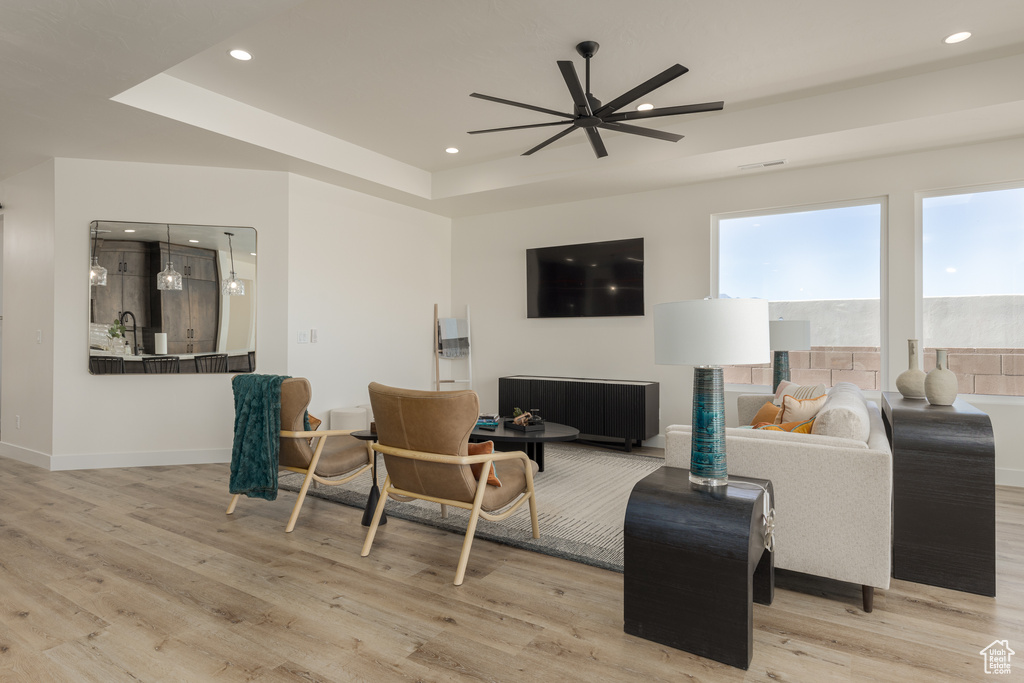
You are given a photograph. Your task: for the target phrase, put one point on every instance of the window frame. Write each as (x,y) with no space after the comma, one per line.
(882,201)
(919,197)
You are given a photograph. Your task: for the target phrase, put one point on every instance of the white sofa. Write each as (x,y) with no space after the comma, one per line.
(833,487)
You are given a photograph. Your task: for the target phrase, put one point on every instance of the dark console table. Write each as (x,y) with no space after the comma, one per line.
(693,563)
(597,407)
(944,504)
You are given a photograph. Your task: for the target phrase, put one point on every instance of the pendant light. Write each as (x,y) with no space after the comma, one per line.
(168,278)
(97,273)
(232,286)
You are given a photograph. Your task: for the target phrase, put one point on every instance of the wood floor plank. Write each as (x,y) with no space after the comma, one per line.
(137,574)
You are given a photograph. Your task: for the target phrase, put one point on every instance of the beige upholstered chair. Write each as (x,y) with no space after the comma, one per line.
(424,436)
(336,457)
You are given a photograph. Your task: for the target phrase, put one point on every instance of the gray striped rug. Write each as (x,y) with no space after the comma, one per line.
(581,503)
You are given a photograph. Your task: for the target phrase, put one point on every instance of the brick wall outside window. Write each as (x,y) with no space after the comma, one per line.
(993,371)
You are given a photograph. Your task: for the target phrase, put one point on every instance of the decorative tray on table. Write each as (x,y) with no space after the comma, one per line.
(534,425)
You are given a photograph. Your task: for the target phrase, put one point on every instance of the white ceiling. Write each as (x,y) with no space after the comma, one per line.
(368,95)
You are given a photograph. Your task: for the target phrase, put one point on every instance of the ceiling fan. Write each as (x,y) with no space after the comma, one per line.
(590,115)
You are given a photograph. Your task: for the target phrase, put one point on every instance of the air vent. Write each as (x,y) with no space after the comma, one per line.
(762,164)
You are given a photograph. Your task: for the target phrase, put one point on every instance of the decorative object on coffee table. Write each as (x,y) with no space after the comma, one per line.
(940,384)
(785,336)
(911,381)
(708,334)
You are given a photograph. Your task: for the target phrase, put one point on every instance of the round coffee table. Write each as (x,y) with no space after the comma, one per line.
(532,442)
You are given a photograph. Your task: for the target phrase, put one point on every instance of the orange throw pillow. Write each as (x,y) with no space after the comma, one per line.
(767,413)
(483,449)
(794,427)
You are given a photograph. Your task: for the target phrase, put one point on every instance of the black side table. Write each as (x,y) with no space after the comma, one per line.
(694,562)
(944,494)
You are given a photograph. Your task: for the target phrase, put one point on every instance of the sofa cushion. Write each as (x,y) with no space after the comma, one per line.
(799,409)
(844,415)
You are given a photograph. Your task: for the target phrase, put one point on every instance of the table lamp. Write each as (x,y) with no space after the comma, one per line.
(708,334)
(786,336)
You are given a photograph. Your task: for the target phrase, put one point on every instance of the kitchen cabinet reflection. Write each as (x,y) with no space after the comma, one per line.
(134,320)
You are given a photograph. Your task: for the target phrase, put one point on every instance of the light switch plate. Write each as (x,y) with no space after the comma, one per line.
(303,337)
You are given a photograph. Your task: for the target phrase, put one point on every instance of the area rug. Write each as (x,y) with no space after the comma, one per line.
(581,504)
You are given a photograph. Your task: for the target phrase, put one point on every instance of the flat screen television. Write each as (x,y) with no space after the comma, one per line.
(584,280)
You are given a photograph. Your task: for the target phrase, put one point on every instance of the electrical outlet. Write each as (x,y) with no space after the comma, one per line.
(303,337)
(39,336)
(17,421)
(312,336)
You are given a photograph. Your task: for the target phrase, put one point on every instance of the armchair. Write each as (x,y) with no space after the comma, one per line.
(424,436)
(336,457)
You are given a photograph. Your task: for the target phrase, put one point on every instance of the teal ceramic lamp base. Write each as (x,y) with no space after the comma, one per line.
(707,454)
(780,369)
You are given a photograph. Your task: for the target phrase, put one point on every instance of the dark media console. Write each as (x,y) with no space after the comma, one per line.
(597,407)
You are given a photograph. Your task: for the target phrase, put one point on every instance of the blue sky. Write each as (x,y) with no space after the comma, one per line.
(972,244)
(822,254)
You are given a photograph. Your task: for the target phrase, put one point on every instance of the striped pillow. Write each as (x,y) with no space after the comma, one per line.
(797,391)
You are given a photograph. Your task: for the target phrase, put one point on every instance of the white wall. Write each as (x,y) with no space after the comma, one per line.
(108,420)
(488,257)
(365,273)
(28,307)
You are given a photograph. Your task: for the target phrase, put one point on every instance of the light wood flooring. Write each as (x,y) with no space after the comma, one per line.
(138,575)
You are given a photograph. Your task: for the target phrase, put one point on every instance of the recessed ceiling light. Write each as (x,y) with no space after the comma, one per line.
(240,55)
(452,150)
(194,241)
(957,37)
(129,230)
(646,106)
(252,253)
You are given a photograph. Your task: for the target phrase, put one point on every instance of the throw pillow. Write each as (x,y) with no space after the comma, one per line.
(767,413)
(313,424)
(794,427)
(482,449)
(799,409)
(798,391)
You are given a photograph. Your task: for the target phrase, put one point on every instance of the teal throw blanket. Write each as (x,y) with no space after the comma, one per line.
(256,445)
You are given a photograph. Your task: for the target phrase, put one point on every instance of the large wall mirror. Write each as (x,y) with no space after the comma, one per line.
(171,298)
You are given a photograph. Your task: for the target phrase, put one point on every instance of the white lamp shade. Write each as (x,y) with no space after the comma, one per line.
(711,332)
(790,335)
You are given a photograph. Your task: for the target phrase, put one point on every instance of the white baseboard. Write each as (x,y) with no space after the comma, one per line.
(90,461)
(1007,477)
(25,455)
(656,441)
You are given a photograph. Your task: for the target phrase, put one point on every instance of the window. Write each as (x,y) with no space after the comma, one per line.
(973,287)
(821,264)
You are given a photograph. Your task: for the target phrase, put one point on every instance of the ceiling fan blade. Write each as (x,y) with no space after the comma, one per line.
(549,141)
(572,81)
(671,73)
(524,106)
(665,111)
(531,125)
(646,132)
(596,142)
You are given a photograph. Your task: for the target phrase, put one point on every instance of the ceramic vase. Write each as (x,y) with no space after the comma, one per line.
(940,384)
(911,381)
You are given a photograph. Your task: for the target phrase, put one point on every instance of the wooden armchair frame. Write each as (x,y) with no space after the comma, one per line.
(475,508)
(310,472)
